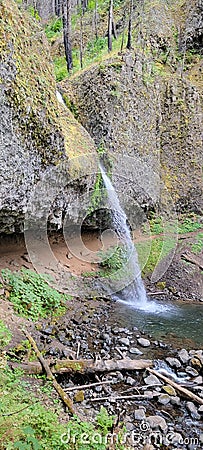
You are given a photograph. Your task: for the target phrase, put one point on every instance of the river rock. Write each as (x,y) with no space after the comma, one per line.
(196,363)
(169,390)
(193,410)
(173,362)
(200,409)
(139,414)
(164,399)
(79,396)
(191,371)
(124,341)
(135,351)
(183,356)
(130,381)
(143,342)
(198,380)
(175,400)
(156,422)
(152,380)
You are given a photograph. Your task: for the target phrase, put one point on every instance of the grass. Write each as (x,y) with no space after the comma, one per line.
(5,335)
(150,253)
(189,224)
(197,246)
(31,295)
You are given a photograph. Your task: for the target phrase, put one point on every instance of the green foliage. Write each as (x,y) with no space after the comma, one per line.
(54,28)
(5,335)
(96,194)
(34,427)
(189,224)
(197,246)
(30,442)
(31,295)
(94,47)
(60,67)
(33,12)
(114,258)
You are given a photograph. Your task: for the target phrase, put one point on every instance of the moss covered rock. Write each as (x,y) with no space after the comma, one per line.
(37,132)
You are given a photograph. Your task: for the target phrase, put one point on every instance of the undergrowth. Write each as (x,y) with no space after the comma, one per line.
(25,424)
(31,296)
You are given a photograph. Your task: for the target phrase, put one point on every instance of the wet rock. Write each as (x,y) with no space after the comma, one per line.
(148,447)
(183,356)
(98,388)
(193,410)
(164,399)
(152,380)
(156,422)
(169,390)
(200,409)
(135,351)
(198,380)
(191,371)
(124,341)
(173,362)
(139,414)
(129,426)
(143,342)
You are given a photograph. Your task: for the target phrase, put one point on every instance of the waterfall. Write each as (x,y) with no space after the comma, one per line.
(134,293)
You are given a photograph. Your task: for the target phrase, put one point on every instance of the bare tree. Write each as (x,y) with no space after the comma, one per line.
(81,39)
(110,25)
(66,16)
(95,19)
(129,42)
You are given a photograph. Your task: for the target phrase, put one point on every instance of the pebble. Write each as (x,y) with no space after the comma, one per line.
(152,380)
(169,390)
(143,342)
(175,400)
(193,410)
(191,371)
(164,399)
(157,422)
(124,341)
(139,414)
(130,381)
(173,362)
(135,351)
(196,363)
(183,356)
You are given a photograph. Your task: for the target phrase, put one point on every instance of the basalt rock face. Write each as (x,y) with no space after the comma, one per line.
(41,142)
(145,108)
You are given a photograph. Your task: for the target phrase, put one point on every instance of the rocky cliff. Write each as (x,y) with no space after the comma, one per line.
(144,107)
(40,139)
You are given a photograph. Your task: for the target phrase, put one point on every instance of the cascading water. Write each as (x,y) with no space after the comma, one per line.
(134,293)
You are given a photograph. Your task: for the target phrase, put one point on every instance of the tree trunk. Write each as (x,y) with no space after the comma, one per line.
(81,40)
(110,22)
(129,42)
(95,20)
(66,15)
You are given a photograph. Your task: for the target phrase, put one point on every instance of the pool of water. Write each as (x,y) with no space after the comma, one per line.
(178,323)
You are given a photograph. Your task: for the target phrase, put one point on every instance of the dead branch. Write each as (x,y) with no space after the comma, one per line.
(194,259)
(126,397)
(68,402)
(87,386)
(179,388)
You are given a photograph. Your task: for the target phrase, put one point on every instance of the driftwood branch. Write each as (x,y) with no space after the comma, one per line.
(86,386)
(126,397)
(83,366)
(177,386)
(68,402)
(194,259)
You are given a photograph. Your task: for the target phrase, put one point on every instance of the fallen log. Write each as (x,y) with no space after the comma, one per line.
(66,399)
(85,366)
(178,387)
(194,259)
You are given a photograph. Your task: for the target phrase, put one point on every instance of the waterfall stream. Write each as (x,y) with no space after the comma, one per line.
(134,293)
